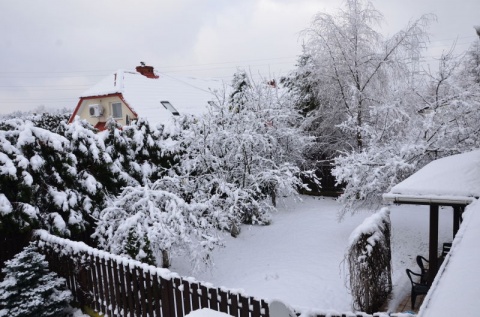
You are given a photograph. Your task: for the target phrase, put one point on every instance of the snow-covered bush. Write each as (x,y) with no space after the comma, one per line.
(136,151)
(30,289)
(42,117)
(368,174)
(369,262)
(46,179)
(246,150)
(150,224)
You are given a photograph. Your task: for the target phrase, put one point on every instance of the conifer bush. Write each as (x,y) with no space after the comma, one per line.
(30,289)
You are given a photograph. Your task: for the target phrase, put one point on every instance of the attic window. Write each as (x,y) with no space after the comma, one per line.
(169,107)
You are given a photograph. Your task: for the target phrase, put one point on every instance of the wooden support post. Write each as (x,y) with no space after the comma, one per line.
(433,253)
(457,214)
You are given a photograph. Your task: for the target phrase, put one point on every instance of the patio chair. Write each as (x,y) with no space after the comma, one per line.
(421,261)
(417,288)
(446,248)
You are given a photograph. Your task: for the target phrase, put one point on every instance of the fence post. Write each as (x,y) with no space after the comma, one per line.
(128,289)
(149,289)
(195,297)
(203,296)
(187,297)
(266,310)
(105,287)
(245,311)
(178,296)
(118,283)
(141,288)
(156,295)
(256,307)
(113,297)
(223,305)
(168,305)
(95,280)
(136,301)
(83,293)
(213,298)
(234,304)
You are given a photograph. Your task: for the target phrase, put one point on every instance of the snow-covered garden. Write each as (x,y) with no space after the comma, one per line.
(299,258)
(217,196)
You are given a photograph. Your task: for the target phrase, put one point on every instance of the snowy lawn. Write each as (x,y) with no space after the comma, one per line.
(298,258)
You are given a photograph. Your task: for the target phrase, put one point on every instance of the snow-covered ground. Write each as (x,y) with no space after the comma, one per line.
(299,257)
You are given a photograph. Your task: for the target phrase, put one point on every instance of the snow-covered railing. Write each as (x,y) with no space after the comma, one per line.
(118,286)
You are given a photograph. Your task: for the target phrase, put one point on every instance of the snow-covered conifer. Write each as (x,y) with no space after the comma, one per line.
(147,160)
(30,289)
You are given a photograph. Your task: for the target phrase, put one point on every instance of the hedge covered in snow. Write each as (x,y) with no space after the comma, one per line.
(369,261)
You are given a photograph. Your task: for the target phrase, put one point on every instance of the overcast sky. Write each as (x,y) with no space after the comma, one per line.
(53,50)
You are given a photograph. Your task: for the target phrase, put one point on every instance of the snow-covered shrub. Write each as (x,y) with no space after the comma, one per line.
(136,152)
(369,262)
(55,181)
(30,289)
(44,182)
(245,151)
(144,222)
(51,121)
(370,173)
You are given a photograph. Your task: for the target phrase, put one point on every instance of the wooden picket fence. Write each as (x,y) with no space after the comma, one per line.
(116,286)
(120,287)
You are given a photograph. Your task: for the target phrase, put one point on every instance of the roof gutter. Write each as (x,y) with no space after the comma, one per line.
(438,200)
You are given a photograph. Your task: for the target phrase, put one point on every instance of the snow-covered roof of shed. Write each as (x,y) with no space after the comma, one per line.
(449,180)
(459,273)
(187,94)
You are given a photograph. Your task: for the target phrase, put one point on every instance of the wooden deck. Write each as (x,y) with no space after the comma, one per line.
(406,306)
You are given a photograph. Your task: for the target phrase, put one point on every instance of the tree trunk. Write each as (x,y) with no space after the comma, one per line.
(165,259)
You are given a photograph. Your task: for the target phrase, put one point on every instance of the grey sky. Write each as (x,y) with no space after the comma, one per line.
(52,50)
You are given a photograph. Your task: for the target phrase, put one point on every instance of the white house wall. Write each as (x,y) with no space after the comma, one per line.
(106,103)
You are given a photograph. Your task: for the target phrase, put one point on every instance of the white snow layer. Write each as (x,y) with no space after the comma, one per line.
(5,205)
(453,178)
(299,258)
(206,312)
(456,289)
(74,247)
(372,225)
(186,94)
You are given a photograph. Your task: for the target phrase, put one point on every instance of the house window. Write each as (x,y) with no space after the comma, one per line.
(169,107)
(117,110)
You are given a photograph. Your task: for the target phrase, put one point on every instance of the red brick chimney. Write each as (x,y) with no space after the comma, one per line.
(146,71)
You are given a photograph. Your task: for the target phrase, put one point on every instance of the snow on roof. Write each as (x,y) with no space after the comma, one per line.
(456,289)
(187,94)
(449,180)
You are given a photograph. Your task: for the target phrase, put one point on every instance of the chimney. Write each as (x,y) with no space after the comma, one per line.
(146,71)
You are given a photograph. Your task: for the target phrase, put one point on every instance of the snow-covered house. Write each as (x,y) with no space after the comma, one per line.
(128,95)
